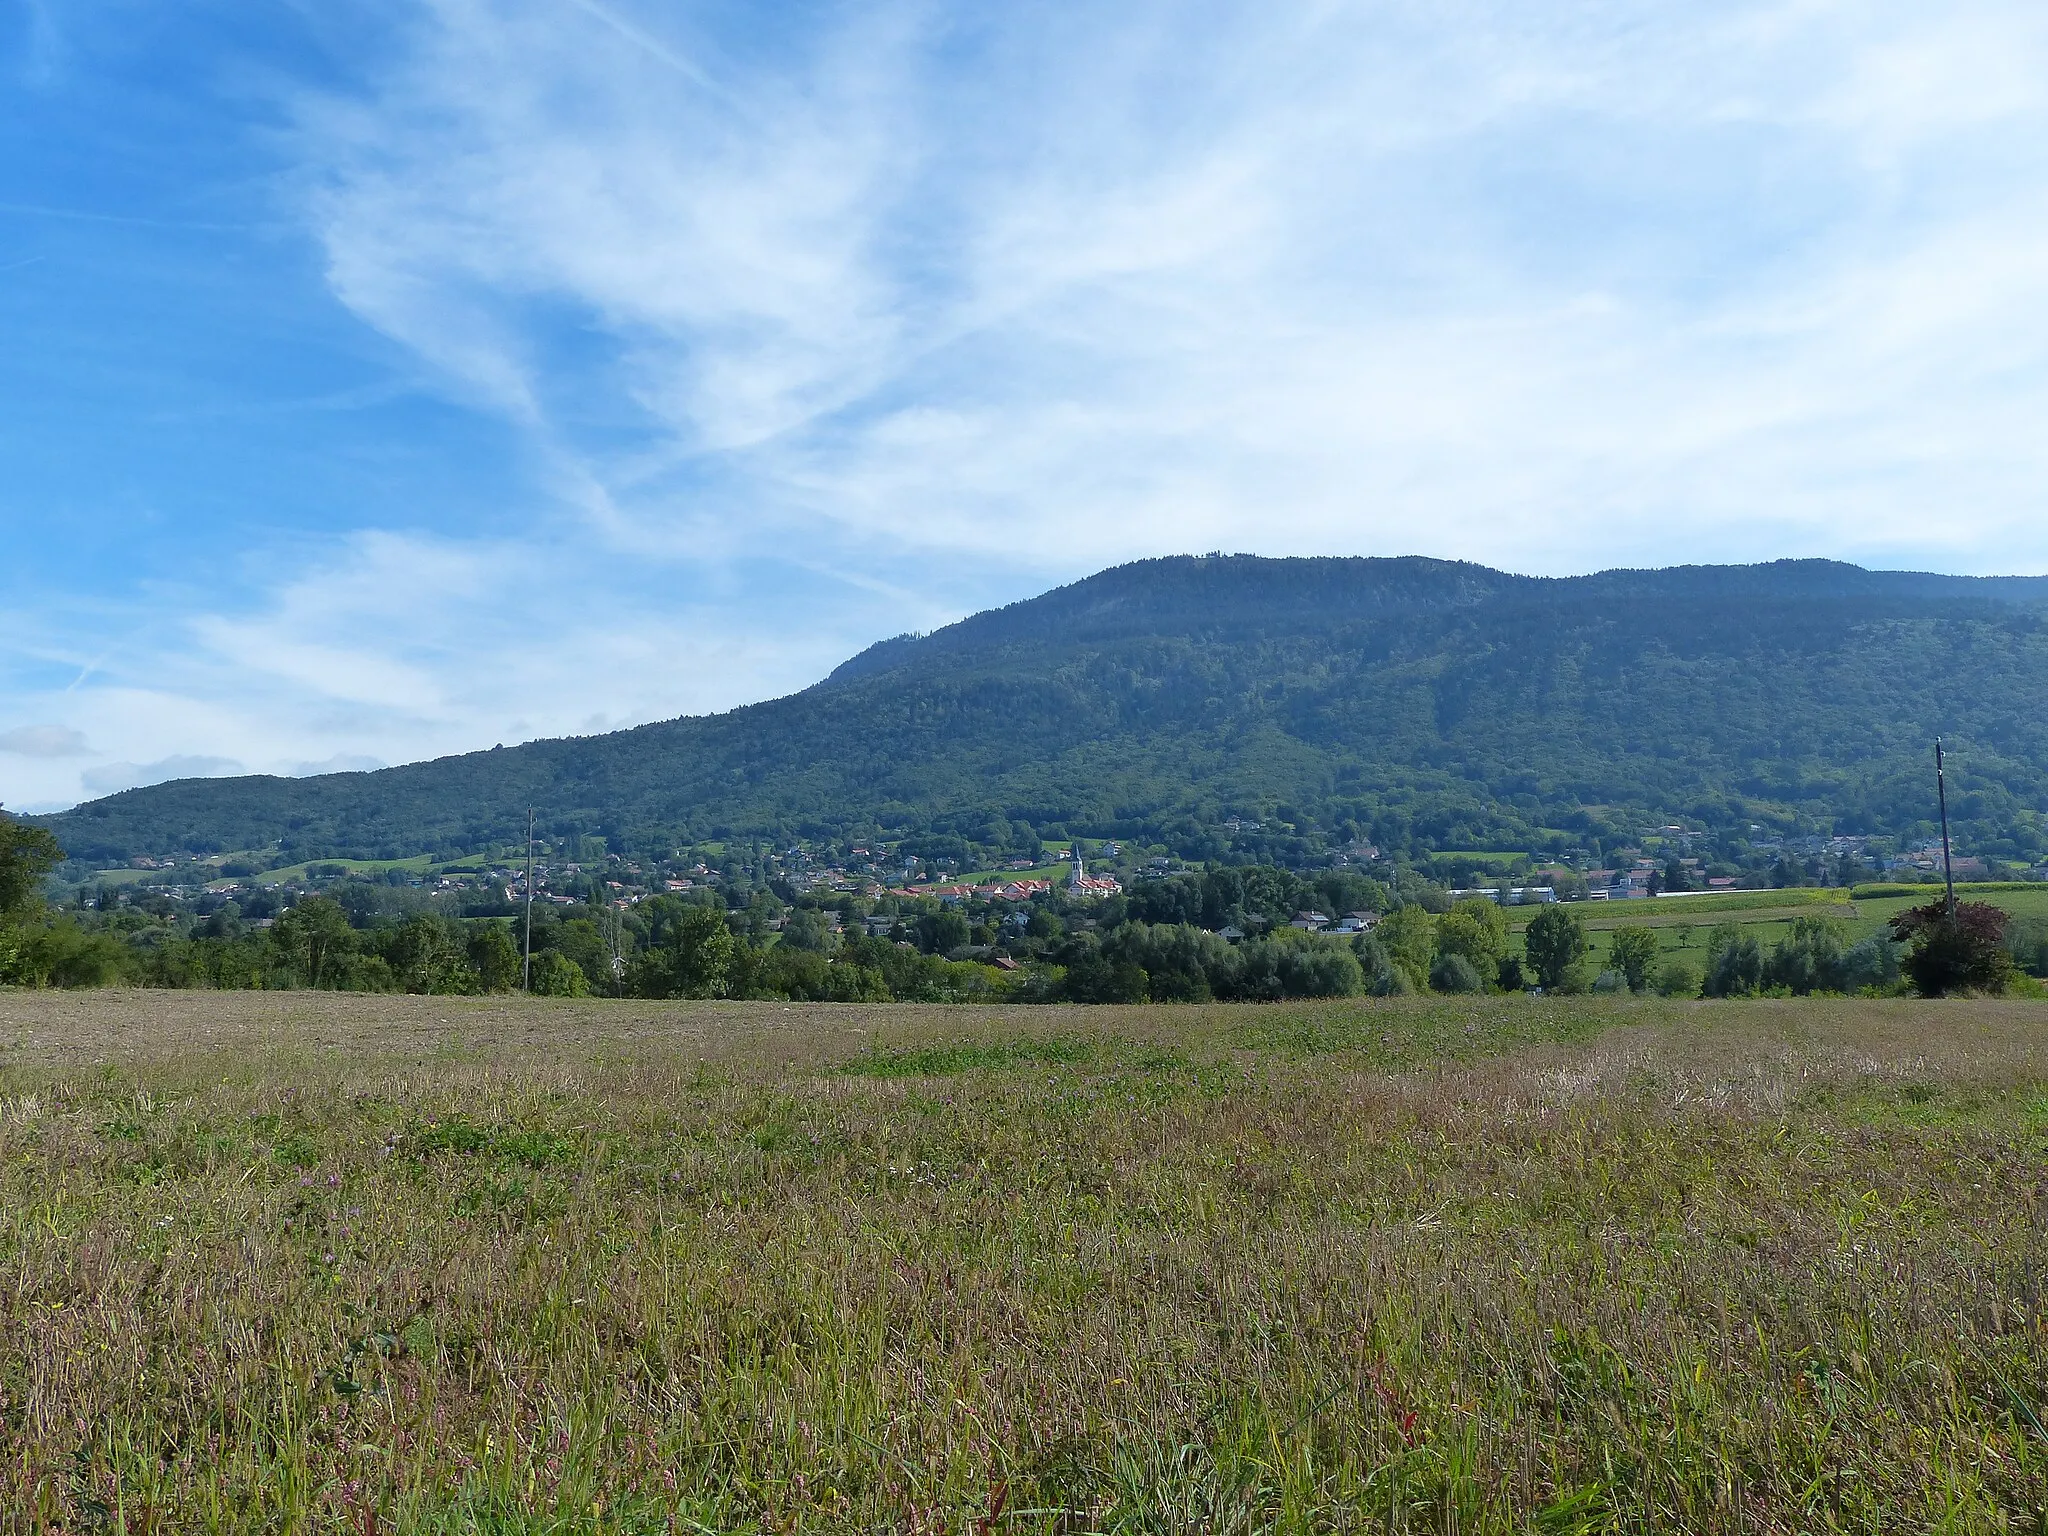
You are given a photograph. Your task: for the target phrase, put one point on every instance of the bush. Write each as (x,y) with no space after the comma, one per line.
(1276,968)
(1608,982)
(1182,963)
(61,955)
(1677,978)
(1808,959)
(2026,940)
(1735,963)
(556,975)
(1872,964)
(1454,973)
(1093,979)
(1963,953)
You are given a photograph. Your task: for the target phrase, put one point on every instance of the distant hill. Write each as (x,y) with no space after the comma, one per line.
(1418,703)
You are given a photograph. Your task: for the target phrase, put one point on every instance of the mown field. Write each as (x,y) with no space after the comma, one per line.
(1683,924)
(293,1262)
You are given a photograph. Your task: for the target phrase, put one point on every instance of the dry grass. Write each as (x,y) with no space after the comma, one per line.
(295,1263)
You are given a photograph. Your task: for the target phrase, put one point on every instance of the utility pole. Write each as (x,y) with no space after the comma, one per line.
(526,969)
(1948,873)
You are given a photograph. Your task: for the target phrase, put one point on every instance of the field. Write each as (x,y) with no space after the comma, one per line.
(277,1262)
(1683,923)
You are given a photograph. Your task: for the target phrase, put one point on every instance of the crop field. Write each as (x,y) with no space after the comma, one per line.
(281,1262)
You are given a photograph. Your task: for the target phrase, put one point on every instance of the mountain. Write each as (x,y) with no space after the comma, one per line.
(1419,703)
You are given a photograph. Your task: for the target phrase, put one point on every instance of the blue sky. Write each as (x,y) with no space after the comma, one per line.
(384,380)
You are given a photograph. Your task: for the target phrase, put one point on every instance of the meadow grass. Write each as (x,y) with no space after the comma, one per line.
(274,1262)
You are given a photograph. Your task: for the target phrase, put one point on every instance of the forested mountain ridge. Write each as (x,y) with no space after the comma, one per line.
(1417,703)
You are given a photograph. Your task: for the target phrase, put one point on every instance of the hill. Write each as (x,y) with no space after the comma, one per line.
(1417,703)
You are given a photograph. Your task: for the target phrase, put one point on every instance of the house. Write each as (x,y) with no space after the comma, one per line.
(1313,922)
(1230,933)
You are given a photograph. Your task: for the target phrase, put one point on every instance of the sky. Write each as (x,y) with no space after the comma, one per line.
(380,380)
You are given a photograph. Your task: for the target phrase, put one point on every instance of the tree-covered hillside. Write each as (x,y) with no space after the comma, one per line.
(1414,703)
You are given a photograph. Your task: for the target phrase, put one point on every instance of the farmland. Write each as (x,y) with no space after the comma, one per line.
(343,1263)
(1682,924)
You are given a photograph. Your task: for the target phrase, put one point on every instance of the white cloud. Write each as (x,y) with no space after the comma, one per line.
(1543,288)
(819,333)
(43,741)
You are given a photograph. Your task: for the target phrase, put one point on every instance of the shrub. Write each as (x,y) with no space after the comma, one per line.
(63,955)
(1963,953)
(1677,978)
(556,975)
(2026,940)
(1808,959)
(1275,969)
(1735,963)
(1454,973)
(1872,964)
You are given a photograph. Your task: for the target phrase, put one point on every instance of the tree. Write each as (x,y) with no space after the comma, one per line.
(314,935)
(1810,958)
(556,975)
(1963,953)
(27,854)
(942,932)
(1632,953)
(1735,962)
(494,958)
(805,929)
(1454,973)
(1555,943)
(1674,875)
(1408,935)
(1475,930)
(1093,979)
(424,957)
(696,960)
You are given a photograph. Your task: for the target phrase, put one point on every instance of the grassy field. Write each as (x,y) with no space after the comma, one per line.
(1683,923)
(275,1262)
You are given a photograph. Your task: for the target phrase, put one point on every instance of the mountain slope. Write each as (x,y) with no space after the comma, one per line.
(1417,702)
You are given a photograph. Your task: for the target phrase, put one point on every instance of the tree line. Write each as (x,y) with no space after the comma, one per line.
(1222,934)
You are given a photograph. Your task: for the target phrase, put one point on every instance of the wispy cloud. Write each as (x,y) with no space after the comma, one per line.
(816,324)
(1539,287)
